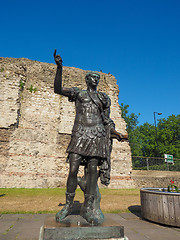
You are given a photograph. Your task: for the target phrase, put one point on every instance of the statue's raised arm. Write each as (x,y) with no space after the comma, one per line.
(90,144)
(58,78)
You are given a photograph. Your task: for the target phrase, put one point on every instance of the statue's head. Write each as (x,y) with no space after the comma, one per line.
(92,79)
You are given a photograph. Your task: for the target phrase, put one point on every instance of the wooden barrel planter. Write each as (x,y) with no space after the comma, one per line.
(160,206)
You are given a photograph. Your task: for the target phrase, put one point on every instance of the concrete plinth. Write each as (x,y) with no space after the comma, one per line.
(74,227)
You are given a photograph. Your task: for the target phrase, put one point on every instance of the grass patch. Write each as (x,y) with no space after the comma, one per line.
(8,229)
(51,200)
(28,212)
(28,192)
(122,192)
(117,211)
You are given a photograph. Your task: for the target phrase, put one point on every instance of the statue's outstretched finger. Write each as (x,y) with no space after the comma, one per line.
(54,53)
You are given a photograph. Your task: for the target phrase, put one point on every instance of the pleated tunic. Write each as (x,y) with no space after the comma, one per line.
(89,134)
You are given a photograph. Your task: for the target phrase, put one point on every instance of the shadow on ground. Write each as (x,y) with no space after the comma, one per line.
(135,209)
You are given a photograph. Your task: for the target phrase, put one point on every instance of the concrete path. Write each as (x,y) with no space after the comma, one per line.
(27,227)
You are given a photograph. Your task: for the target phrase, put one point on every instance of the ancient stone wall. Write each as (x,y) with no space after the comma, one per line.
(35,125)
(157,179)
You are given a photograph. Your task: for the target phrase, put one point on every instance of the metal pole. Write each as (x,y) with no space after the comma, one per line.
(155,132)
(156,148)
(147,163)
(167,166)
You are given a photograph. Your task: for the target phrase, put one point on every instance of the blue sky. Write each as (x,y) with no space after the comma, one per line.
(138,41)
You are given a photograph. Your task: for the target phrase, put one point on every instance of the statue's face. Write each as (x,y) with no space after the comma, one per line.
(93,80)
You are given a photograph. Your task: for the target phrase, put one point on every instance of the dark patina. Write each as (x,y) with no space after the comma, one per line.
(90,145)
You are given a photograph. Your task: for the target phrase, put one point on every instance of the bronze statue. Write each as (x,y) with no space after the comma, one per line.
(90,145)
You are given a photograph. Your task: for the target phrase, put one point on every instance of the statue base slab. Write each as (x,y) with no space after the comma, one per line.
(74,227)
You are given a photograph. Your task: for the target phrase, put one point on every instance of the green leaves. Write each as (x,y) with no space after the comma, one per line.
(143,140)
(172,187)
(131,120)
(169,135)
(32,89)
(21,85)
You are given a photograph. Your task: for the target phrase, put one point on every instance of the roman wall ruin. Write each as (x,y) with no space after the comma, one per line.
(36,123)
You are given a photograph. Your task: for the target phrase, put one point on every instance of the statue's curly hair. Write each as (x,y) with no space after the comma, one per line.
(92,73)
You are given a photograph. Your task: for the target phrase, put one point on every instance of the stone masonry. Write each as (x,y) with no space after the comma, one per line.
(36,123)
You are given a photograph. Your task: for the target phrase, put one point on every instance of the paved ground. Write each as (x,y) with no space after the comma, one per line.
(27,227)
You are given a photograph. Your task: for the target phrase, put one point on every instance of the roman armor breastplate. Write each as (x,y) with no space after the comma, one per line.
(87,112)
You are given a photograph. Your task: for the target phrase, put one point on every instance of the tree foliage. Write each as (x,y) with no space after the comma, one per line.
(142,138)
(169,135)
(132,122)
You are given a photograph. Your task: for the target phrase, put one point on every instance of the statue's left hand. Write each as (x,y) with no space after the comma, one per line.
(118,136)
(122,137)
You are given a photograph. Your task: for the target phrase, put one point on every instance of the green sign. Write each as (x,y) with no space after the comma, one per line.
(168,158)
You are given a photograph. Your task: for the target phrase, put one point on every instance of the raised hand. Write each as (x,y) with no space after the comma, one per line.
(57,59)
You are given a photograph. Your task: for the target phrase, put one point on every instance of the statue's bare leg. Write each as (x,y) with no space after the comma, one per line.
(82,182)
(91,176)
(75,160)
(87,210)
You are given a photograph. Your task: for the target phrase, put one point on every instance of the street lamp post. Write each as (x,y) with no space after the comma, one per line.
(156,127)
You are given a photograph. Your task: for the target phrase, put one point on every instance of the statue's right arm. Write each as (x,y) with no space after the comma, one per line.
(58,78)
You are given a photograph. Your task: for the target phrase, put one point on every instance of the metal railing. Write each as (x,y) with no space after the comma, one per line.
(154,163)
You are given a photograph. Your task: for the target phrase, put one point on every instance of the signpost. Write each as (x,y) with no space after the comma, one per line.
(168,159)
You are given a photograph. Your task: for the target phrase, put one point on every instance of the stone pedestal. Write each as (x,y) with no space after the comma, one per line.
(74,227)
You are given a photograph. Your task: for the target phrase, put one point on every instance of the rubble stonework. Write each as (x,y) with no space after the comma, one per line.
(36,123)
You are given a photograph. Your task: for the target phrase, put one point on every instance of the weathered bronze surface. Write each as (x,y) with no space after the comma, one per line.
(75,227)
(90,145)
